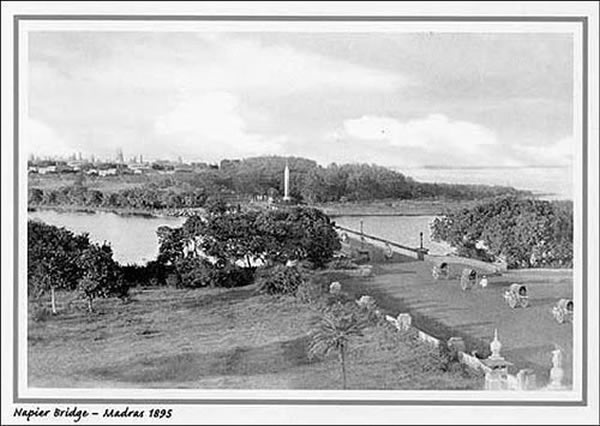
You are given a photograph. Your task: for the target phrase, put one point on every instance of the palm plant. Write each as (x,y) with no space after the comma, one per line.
(333,331)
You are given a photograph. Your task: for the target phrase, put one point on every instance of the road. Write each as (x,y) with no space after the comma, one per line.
(528,335)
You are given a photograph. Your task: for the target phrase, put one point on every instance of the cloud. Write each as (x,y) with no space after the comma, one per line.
(209,125)
(559,153)
(437,140)
(431,140)
(226,63)
(432,132)
(41,140)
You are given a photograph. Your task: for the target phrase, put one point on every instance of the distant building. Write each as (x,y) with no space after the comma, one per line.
(108,172)
(76,164)
(139,169)
(229,164)
(46,170)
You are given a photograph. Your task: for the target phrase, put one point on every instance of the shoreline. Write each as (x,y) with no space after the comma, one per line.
(376,208)
(115,210)
(392,207)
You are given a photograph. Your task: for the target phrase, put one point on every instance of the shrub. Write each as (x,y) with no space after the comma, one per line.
(39,312)
(231,276)
(279,279)
(313,290)
(192,272)
(196,272)
(342,263)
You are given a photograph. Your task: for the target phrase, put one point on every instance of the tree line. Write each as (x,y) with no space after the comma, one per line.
(527,233)
(146,197)
(262,176)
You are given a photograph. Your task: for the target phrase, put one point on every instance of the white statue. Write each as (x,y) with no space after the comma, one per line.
(557,372)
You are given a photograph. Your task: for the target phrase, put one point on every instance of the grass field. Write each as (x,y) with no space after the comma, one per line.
(216,338)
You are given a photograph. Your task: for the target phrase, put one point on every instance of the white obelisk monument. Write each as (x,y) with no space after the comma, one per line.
(286,183)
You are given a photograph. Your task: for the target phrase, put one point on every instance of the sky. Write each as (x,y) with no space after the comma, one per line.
(404,100)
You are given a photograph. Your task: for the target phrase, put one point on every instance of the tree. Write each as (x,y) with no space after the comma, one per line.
(101,277)
(231,236)
(528,233)
(170,244)
(333,332)
(52,259)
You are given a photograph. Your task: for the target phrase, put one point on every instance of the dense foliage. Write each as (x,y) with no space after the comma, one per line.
(52,257)
(146,197)
(59,259)
(230,241)
(527,233)
(255,177)
(279,279)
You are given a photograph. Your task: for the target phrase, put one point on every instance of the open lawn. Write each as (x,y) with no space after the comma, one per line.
(216,338)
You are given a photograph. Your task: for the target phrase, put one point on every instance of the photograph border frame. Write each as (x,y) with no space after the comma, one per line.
(582,20)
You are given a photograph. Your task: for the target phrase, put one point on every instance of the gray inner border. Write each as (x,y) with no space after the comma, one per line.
(583,20)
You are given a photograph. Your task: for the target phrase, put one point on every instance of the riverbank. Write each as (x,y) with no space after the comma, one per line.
(156,213)
(392,207)
(333,209)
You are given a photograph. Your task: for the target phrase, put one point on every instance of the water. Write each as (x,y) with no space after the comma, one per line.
(400,229)
(552,182)
(132,238)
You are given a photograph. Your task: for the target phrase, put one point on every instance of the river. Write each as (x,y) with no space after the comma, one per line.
(133,238)
(404,230)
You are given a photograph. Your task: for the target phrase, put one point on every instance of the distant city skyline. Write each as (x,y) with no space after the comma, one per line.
(401,100)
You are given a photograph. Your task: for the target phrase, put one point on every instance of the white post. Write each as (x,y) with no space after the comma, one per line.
(286,183)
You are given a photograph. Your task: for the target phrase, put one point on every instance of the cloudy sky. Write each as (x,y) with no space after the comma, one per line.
(396,99)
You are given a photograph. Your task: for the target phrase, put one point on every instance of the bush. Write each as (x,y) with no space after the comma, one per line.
(279,279)
(39,312)
(342,263)
(192,272)
(231,276)
(313,290)
(196,272)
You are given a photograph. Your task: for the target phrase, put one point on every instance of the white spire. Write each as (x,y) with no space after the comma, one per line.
(286,182)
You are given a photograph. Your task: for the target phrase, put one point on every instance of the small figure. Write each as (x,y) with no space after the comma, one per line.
(484,281)
(468,278)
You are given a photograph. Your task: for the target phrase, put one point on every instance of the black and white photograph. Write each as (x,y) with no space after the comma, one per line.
(279,208)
